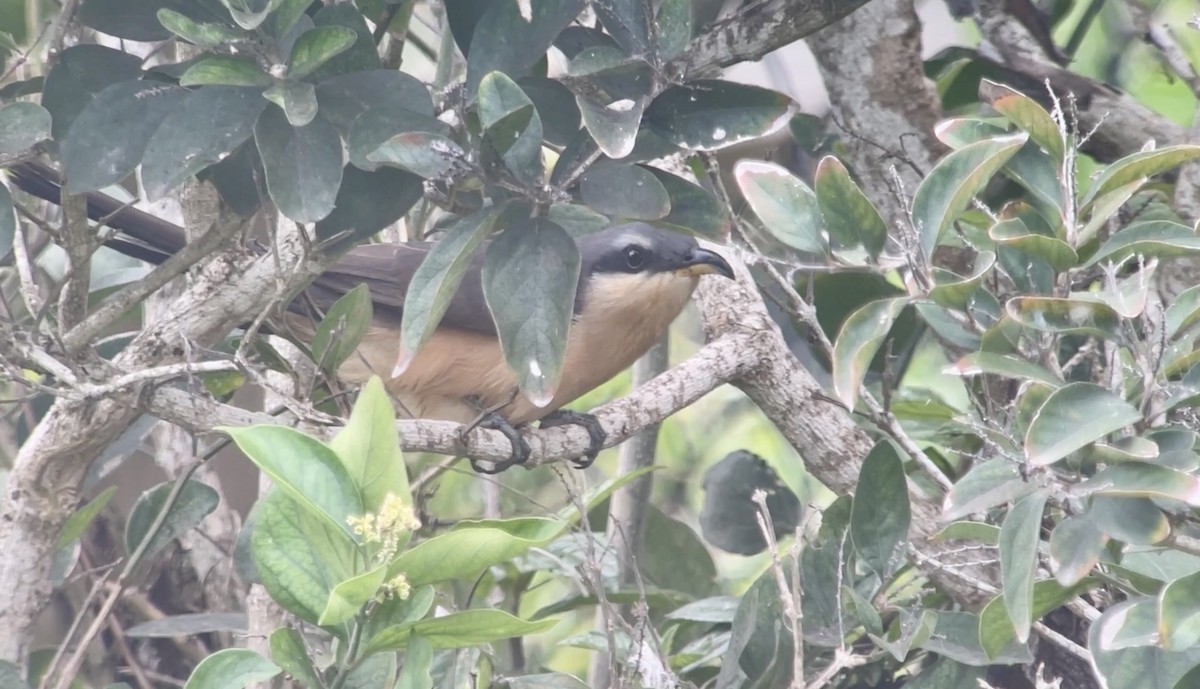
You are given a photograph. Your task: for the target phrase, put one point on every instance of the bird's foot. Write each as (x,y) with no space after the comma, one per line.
(589,422)
(520,448)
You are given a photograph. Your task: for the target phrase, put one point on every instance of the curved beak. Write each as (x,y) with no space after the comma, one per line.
(705,262)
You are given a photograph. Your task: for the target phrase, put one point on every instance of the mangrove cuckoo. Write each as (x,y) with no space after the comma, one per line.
(634,280)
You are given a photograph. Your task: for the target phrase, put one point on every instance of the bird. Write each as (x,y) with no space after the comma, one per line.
(634,280)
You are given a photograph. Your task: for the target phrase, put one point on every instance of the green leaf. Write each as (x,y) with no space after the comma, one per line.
(317,46)
(1151,238)
(458,630)
(729,517)
(857,342)
(556,108)
(81,73)
(343,327)
(879,518)
(204,34)
(625,191)
(1139,166)
(299,556)
(348,597)
(786,206)
(249,15)
(1056,315)
(363,56)
(134,20)
(288,651)
(995,628)
(418,659)
(957,636)
(303,165)
(1179,613)
(628,21)
(395,611)
(693,209)
(369,447)
(1019,538)
(1015,234)
(304,468)
(471,547)
(512,125)
(988,534)
(1132,520)
(107,140)
(231,668)
(1143,665)
(674,558)
(716,610)
(986,485)
(977,363)
(225,70)
(1027,114)
(850,217)
(1142,479)
(83,518)
(760,647)
(512,44)
(205,129)
(1182,313)
(1074,416)
(298,100)
(368,201)
(427,154)
(958,132)
(22,125)
(1127,449)
(437,279)
(555,680)
(8,221)
(1075,548)
(674,27)
(530,274)
(1103,209)
(710,114)
(195,502)
(955,291)
(189,624)
(949,187)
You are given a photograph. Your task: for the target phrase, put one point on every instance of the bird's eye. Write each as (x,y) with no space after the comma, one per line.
(635,257)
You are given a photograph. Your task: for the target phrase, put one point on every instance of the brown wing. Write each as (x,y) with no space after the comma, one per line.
(387,269)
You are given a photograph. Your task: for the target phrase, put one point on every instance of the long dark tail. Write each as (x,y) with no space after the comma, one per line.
(147,237)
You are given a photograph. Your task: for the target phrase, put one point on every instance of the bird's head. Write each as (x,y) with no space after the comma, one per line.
(638,264)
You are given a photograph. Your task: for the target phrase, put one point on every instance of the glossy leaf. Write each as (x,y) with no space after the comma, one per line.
(289,653)
(459,629)
(1143,479)
(628,21)
(613,128)
(317,46)
(1019,538)
(1026,113)
(418,658)
(203,34)
(977,363)
(1056,315)
(849,215)
(709,114)
(530,275)
(1179,613)
(348,597)
(1103,209)
(367,202)
(189,624)
(80,75)
(429,155)
(981,532)
(369,448)
(955,291)
(437,279)
(674,28)
(1129,519)
(879,518)
(307,470)
(1127,449)
(107,140)
(758,648)
(83,518)
(297,99)
(1075,548)
(194,502)
(949,187)
(1183,312)
(134,20)
(471,547)
(206,128)
(22,125)
(1158,238)
(342,328)
(986,485)
(625,191)
(857,342)
(8,221)
(1072,417)
(299,556)
(693,208)
(1135,663)
(958,132)
(555,106)
(1138,166)
(995,628)
(303,165)
(512,43)
(1015,234)
(225,70)
(231,668)
(785,205)
(501,101)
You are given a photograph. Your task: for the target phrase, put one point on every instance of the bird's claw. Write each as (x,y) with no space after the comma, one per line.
(590,423)
(520,448)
